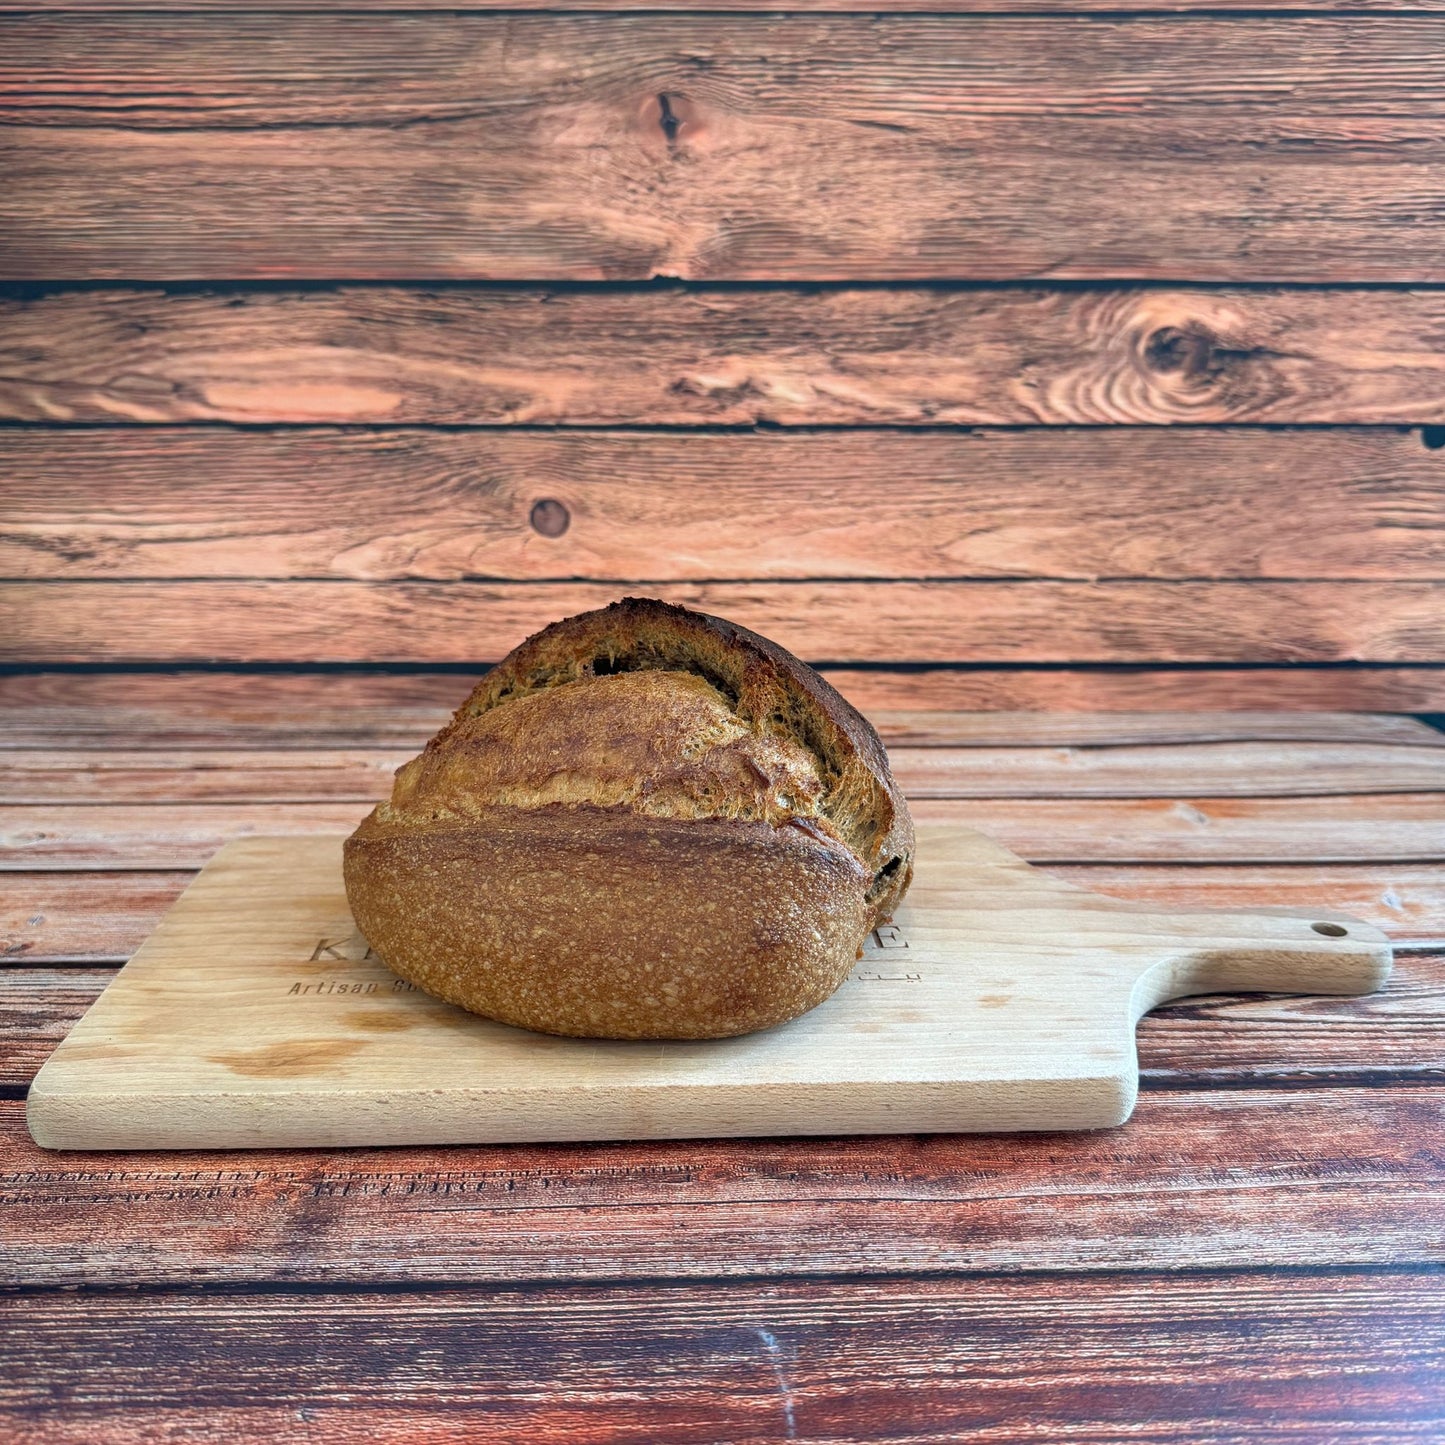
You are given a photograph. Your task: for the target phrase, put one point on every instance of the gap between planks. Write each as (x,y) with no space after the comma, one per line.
(1057,10)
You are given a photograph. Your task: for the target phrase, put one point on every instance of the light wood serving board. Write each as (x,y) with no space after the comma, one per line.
(1000,999)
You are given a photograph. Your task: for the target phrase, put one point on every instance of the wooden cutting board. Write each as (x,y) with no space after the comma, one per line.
(1000,999)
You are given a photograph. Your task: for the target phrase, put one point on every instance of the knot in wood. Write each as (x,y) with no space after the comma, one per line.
(1172,348)
(550,517)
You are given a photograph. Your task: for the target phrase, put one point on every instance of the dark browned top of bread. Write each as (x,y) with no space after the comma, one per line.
(679,715)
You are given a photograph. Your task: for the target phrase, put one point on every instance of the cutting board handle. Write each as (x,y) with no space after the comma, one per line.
(1329,953)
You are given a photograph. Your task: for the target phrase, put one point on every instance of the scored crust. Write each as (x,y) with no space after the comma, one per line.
(645,822)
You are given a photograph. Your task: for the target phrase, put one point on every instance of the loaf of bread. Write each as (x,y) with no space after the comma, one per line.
(645,823)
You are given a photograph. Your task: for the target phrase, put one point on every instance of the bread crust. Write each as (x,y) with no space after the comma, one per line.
(593,922)
(645,822)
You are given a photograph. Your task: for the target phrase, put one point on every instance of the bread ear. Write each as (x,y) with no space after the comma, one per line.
(767,687)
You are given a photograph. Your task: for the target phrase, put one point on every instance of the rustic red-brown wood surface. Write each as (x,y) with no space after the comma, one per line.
(366,707)
(1255,1256)
(166,502)
(1055,549)
(1005,365)
(1253,1355)
(935,621)
(878,7)
(742,147)
(394,355)
(1164,508)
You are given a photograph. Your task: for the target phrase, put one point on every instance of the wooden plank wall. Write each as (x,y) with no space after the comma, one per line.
(991,360)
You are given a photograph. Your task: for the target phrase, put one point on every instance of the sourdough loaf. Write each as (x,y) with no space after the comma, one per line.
(645,822)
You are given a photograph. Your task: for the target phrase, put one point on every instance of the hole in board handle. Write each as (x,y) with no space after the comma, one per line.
(1330,930)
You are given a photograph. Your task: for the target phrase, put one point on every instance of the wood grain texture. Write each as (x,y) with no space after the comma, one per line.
(1104,503)
(1378,828)
(1204,830)
(1395,1036)
(165,836)
(885,7)
(219,775)
(90,917)
(38,1007)
(1298,1177)
(925,729)
(1252,149)
(1161,770)
(164,709)
(1019,356)
(1012,1008)
(98,917)
(971,621)
(1156,770)
(1198,1360)
(362,708)
(1221,1181)
(1291,688)
(1392,1036)
(1406,900)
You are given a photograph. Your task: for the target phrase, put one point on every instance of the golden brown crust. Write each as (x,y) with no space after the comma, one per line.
(644,823)
(591,921)
(662,743)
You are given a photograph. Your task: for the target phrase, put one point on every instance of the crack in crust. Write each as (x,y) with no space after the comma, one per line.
(665,744)
(766,690)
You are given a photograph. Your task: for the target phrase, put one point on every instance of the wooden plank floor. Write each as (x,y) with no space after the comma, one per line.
(1256,1255)
(707,147)
(395,356)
